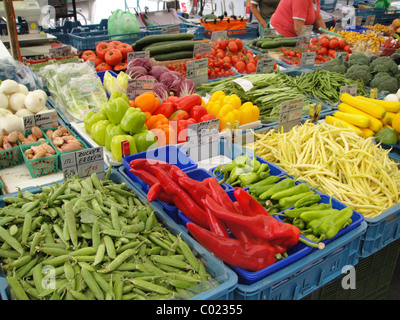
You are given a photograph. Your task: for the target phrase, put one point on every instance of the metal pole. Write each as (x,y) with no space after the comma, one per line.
(12,30)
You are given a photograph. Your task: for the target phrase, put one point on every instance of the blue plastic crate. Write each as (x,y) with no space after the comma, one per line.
(244,34)
(224,280)
(4,288)
(196,30)
(307,274)
(358,29)
(87,40)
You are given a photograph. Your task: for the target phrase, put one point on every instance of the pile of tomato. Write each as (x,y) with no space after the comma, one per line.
(224,55)
(109,55)
(325,49)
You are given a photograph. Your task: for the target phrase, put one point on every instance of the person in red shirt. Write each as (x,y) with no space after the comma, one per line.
(291,15)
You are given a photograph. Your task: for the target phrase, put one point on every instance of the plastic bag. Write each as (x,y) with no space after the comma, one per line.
(122,22)
(15,70)
(382,4)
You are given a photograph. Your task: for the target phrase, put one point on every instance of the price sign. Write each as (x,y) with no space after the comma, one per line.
(350,89)
(197,70)
(171,29)
(136,87)
(218,35)
(202,48)
(44,120)
(304,38)
(63,50)
(269,31)
(370,20)
(290,113)
(338,27)
(359,20)
(307,59)
(265,65)
(138,54)
(203,140)
(83,163)
(244,83)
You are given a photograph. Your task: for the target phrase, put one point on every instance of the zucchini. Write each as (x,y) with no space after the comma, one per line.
(173,56)
(157,44)
(143,42)
(167,48)
(279,43)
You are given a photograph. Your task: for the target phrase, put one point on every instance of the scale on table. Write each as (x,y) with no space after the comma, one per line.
(34,43)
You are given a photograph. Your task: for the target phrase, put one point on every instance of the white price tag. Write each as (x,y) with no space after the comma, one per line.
(218,35)
(269,31)
(136,87)
(307,59)
(171,29)
(201,48)
(44,120)
(305,37)
(138,54)
(244,83)
(350,89)
(203,140)
(83,163)
(197,70)
(290,113)
(265,65)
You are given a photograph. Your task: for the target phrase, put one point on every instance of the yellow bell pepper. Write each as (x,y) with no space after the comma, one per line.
(217,95)
(226,108)
(230,117)
(213,107)
(248,113)
(233,100)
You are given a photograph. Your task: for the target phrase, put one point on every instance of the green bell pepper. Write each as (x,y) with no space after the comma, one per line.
(115,109)
(98,132)
(91,118)
(145,140)
(111,131)
(133,120)
(116,143)
(117,94)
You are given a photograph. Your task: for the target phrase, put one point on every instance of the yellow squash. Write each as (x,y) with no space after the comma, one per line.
(390,106)
(357,120)
(375,124)
(369,107)
(342,124)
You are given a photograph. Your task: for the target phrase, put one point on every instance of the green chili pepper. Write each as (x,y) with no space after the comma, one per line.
(281,185)
(295,212)
(288,202)
(306,201)
(331,225)
(300,188)
(309,216)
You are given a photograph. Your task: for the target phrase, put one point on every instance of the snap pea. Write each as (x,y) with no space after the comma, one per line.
(13,230)
(101,249)
(14,243)
(120,259)
(19,262)
(92,284)
(16,288)
(149,287)
(103,284)
(21,272)
(70,220)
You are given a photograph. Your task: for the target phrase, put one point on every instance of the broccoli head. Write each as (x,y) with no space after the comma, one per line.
(383,81)
(384,64)
(359,71)
(358,58)
(334,65)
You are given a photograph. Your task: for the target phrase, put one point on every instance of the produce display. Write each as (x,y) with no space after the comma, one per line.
(267,42)
(354,170)
(103,242)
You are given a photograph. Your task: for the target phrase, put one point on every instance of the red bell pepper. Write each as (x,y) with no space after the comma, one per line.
(147,163)
(149,179)
(247,204)
(188,102)
(207,117)
(197,112)
(166,108)
(182,129)
(253,257)
(179,115)
(181,199)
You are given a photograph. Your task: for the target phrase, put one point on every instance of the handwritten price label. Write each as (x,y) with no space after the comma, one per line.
(290,113)
(44,120)
(83,163)
(197,70)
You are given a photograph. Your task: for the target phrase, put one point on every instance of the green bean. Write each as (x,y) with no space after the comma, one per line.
(110,248)
(101,249)
(11,241)
(70,220)
(119,260)
(16,289)
(92,284)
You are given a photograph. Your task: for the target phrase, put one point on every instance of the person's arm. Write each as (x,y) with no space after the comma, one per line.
(257,15)
(298,25)
(320,23)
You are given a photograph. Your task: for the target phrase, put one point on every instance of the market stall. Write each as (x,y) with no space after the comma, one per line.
(201,162)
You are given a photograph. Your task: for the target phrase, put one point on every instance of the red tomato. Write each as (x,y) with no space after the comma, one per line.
(115,43)
(331,53)
(102,48)
(87,54)
(121,66)
(97,60)
(342,43)
(333,44)
(314,40)
(226,60)
(347,48)
(113,57)
(250,68)
(232,46)
(239,43)
(324,42)
(223,44)
(103,67)
(124,48)
(240,66)
(323,51)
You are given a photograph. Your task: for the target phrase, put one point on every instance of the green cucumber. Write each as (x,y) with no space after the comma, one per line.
(158,44)
(173,55)
(143,42)
(167,48)
(272,36)
(279,43)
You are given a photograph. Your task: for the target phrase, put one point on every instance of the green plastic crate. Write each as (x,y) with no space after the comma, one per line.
(10,157)
(373,278)
(42,166)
